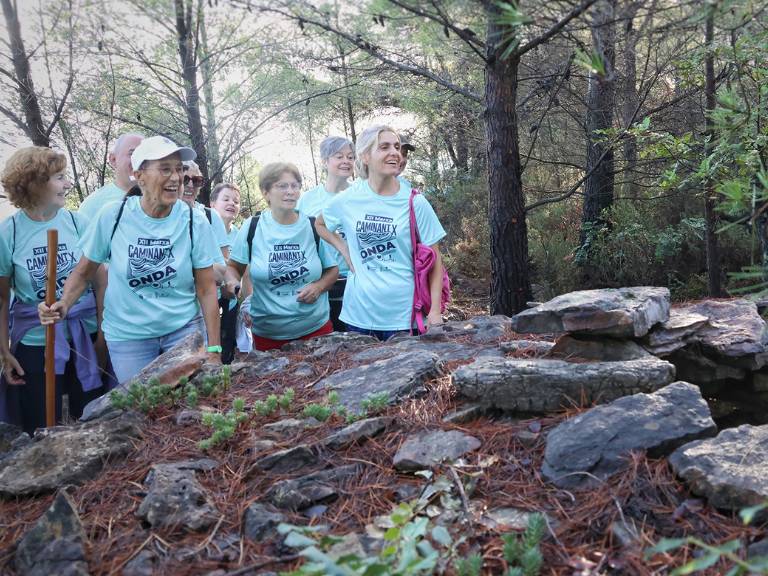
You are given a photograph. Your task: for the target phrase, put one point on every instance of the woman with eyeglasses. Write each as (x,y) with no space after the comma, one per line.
(291,269)
(36,182)
(160,273)
(338,160)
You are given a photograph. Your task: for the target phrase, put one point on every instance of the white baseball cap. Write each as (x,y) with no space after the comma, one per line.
(157,147)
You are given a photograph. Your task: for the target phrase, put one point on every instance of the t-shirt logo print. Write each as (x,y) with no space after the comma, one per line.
(287,264)
(37,268)
(376,237)
(151,263)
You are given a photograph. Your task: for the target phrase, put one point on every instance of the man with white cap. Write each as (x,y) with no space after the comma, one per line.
(160,275)
(120,160)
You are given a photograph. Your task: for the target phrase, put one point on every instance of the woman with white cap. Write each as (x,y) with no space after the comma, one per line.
(160,272)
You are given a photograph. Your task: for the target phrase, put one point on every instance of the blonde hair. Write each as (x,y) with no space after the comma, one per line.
(27,172)
(366,142)
(271,173)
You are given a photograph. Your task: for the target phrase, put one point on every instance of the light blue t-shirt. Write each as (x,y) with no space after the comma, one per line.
(25,259)
(312,203)
(151,288)
(221,239)
(284,260)
(379,294)
(98,199)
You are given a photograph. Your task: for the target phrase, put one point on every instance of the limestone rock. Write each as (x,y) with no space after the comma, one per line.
(538,385)
(288,427)
(597,349)
(54,545)
(481,329)
(303,492)
(67,455)
(333,343)
(729,470)
(8,433)
(143,564)
(617,312)
(675,333)
(183,360)
(289,461)
(303,370)
(428,449)
(357,431)
(259,364)
(599,440)
(175,497)
(397,377)
(466,413)
(445,351)
(260,522)
(526,347)
(188,417)
(692,365)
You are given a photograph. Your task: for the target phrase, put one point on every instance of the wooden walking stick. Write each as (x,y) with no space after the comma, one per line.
(50,331)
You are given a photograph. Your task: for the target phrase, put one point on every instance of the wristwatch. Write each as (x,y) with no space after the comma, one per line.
(216,349)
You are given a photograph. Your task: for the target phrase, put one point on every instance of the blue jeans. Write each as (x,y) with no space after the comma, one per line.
(382,335)
(129,357)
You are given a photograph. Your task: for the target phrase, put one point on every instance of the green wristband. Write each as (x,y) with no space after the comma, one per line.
(216,349)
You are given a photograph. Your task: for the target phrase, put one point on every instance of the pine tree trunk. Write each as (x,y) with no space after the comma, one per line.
(210,111)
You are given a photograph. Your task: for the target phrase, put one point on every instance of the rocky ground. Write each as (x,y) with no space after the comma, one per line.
(481,424)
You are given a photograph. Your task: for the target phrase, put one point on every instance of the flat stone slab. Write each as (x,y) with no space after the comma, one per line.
(67,455)
(597,349)
(183,360)
(526,348)
(729,470)
(176,498)
(55,544)
(259,364)
(397,377)
(290,460)
(260,522)
(617,312)
(303,492)
(288,427)
(429,449)
(333,343)
(597,443)
(540,385)
(357,432)
(675,333)
(480,329)
(445,351)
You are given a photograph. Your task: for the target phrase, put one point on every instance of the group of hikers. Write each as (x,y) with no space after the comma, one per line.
(142,264)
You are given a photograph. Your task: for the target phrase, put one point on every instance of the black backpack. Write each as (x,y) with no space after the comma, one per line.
(255,222)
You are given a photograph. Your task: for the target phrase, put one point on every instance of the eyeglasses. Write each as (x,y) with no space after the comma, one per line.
(284,187)
(166,171)
(197,181)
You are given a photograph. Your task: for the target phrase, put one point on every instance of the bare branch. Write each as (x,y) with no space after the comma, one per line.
(556,28)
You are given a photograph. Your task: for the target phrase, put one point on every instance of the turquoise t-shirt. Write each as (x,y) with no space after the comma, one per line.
(284,260)
(221,239)
(379,294)
(98,199)
(151,288)
(25,259)
(312,203)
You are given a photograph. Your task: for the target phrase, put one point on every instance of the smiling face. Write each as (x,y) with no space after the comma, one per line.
(227,204)
(161,180)
(193,182)
(56,190)
(384,159)
(284,193)
(342,163)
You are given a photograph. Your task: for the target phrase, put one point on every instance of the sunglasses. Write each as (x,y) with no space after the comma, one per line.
(196,180)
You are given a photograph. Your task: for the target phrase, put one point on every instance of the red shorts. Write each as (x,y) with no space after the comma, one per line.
(264,344)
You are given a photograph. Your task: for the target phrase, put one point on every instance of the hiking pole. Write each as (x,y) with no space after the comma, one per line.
(50,331)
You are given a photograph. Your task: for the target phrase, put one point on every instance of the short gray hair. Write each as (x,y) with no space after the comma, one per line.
(366,141)
(120,140)
(332,145)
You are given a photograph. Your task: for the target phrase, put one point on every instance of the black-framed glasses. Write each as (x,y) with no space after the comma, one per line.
(197,181)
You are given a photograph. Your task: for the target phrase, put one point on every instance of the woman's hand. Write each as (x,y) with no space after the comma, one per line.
(310,293)
(100,346)
(12,370)
(230,289)
(53,313)
(434,318)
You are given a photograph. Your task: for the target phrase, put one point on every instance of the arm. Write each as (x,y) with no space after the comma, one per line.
(78,281)
(99,289)
(13,371)
(436,289)
(312,291)
(233,276)
(334,240)
(205,287)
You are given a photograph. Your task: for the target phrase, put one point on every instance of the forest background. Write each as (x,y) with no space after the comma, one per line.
(564,144)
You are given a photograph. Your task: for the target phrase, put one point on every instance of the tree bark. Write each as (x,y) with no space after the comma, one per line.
(33,124)
(601,94)
(210,110)
(714,284)
(510,282)
(630,98)
(188,59)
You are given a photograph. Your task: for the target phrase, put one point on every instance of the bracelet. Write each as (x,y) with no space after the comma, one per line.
(216,349)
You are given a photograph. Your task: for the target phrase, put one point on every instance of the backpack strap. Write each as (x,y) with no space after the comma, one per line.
(251,232)
(117,221)
(191,236)
(208,214)
(415,316)
(314,233)
(74,222)
(13,247)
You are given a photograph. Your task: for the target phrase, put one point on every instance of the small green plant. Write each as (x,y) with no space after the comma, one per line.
(319,412)
(470,566)
(224,425)
(286,399)
(711,555)
(273,402)
(522,552)
(375,403)
(144,398)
